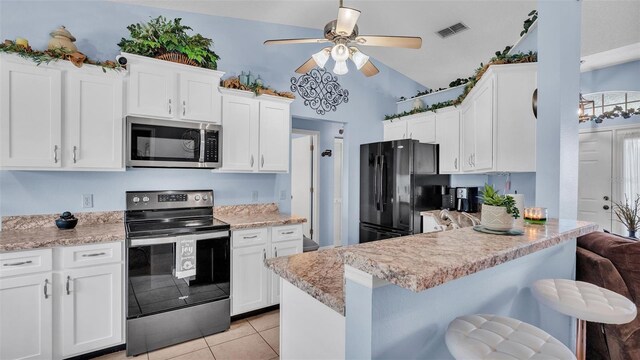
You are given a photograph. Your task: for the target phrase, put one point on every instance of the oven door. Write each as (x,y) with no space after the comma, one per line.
(165,143)
(152,286)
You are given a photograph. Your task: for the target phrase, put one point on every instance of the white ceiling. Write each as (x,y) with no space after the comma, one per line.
(493,25)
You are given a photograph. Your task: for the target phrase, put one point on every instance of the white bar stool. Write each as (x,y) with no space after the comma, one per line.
(500,338)
(585,302)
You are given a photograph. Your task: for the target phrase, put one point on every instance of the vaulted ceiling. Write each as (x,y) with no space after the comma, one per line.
(493,25)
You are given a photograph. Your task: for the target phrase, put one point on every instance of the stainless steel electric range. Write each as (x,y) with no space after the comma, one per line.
(178,269)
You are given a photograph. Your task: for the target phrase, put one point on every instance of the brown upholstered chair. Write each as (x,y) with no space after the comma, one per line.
(612,262)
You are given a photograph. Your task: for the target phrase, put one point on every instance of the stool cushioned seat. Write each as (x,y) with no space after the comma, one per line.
(584,301)
(497,337)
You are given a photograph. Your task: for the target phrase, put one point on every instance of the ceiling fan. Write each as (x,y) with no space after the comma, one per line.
(343,33)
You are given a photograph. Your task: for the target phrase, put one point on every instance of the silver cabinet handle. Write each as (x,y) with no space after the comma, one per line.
(169,106)
(67,287)
(288,232)
(94,254)
(264,254)
(75,148)
(262,165)
(55,154)
(473,159)
(455,164)
(18,263)
(275,250)
(46,288)
(184,107)
(251,160)
(250,237)
(411,135)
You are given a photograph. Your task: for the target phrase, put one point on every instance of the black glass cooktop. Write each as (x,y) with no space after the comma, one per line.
(177,226)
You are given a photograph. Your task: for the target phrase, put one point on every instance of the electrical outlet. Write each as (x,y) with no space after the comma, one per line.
(283,195)
(254,196)
(87,200)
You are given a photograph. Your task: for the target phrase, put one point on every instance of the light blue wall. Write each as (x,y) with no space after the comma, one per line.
(99,25)
(528,43)
(430,99)
(390,322)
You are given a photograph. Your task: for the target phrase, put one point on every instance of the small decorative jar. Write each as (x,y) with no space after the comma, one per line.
(417,104)
(536,215)
(62,38)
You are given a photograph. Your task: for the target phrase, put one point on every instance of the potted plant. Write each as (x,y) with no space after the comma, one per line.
(498,211)
(628,214)
(168,40)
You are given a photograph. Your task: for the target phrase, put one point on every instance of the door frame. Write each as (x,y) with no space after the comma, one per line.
(315,199)
(338,241)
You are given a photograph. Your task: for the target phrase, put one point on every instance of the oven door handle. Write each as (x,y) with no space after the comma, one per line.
(212,235)
(174,239)
(152,241)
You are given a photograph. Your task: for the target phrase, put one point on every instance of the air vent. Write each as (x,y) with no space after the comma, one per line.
(452,30)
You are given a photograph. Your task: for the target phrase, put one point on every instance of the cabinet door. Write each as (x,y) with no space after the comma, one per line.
(283,248)
(468,137)
(90,308)
(200,99)
(395,130)
(448,137)
(423,128)
(249,279)
(30,116)
(239,133)
(26,313)
(152,92)
(93,121)
(483,101)
(275,129)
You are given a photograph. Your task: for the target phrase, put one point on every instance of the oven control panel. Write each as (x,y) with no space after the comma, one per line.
(169,199)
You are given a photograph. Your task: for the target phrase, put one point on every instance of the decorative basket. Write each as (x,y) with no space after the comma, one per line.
(177,58)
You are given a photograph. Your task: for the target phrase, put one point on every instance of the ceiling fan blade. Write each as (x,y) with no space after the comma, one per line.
(295,41)
(347,19)
(410,42)
(368,69)
(304,68)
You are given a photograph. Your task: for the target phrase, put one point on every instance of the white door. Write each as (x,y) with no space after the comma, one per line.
(239,133)
(93,121)
(468,137)
(395,130)
(337,191)
(423,128)
(26,313)
(275,127)
(448,137)
(482,158)
(152,92)
(200,99)
(91,308)
(283,248)
(301,179)
(250,279)
(594,178)
(30,116)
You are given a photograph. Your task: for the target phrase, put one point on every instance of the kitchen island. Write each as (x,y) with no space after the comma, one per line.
(395,298)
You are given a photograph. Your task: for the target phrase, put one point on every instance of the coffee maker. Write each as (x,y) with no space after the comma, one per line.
(467,199)
(449,199)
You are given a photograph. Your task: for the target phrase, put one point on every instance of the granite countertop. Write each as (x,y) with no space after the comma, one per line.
(254,216)
(419,262)
(38,231)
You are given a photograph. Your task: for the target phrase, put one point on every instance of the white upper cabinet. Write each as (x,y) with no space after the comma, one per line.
(467,115)
(448,136)
(93,124)
(240,133)
(395,129)
(162,89)
(482,157)
(30,115)
(255,132)
(275,127)
(422,127)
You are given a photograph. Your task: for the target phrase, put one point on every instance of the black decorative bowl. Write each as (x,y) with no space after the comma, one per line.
(66,223)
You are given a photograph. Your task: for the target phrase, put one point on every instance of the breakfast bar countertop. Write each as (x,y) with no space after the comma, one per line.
(419,262)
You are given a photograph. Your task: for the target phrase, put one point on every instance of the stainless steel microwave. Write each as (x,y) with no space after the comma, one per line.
(173,144)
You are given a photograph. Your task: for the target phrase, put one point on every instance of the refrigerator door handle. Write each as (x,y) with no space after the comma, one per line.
(375,183)
(382,182)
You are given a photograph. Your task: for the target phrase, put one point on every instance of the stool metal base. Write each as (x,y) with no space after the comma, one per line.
(581,340)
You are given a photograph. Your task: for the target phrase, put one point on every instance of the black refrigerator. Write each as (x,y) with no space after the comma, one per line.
(398,180)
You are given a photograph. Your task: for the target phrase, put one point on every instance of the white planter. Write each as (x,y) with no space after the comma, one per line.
(496,218)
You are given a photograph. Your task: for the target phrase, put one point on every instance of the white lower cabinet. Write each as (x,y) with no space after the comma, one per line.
(253,286)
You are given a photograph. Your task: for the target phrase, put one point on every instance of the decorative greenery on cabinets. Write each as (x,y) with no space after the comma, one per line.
(160,37)
(47,56)
(533,16)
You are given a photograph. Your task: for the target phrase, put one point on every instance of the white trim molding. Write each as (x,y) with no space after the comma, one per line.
(611,57)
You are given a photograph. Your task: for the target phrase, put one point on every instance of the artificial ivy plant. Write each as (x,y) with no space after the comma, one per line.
(161,36)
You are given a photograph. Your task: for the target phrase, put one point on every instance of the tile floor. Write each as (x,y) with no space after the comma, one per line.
(254,338)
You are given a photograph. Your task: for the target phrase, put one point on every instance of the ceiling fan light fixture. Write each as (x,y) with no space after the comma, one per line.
(359,58)
(340,52)
(340,68)
(321,57)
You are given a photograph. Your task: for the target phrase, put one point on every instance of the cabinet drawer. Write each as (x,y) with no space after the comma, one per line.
(285,233)
(25,262)
(89,255)
(249,237)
